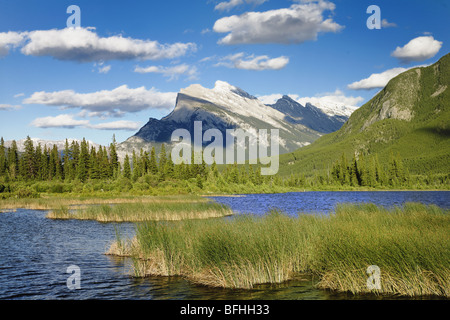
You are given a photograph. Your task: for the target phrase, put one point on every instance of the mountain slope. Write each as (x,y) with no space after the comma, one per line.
(228,107)
(411,116)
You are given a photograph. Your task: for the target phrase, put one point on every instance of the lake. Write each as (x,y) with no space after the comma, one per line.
(325,201)
(36,252)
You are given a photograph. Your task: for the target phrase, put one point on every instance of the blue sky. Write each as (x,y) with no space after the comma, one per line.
(129,58)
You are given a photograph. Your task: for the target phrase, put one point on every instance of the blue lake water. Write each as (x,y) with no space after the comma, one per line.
(36,252)
(325,201)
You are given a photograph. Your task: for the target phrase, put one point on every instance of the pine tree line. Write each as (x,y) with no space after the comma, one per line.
(84,163)
(368,172)
(42,163)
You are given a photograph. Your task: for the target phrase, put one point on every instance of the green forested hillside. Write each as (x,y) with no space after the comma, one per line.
(409,117)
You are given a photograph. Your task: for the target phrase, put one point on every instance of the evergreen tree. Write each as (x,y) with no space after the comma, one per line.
(114,158)
(371,173)
(234,174)
(258,177)
(145,162)
(126,167)
(162,158)
(345,172)
(2,157)
(199,181)
(39,163)
(194,168)
(136,166)
(105,171)
(214,170)
(169,168)
(55,170)
(29,165)
(13,161)
(58,163)
(354,173)
(67,162)
(45,160)
(379,175)
(336,173)
(400,169)
(94,164)
(153,166)
(251,174)
(363,171)
(83,162)
(75,159)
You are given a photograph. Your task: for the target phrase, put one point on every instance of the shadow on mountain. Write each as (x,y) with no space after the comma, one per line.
(442,132)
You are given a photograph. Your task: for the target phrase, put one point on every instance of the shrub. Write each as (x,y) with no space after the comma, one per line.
(26,192)
(57,188)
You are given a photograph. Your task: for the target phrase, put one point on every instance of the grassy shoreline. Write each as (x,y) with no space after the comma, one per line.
(409,244)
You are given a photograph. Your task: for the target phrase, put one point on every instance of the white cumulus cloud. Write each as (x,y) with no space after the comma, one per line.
(376,80)
(8,107)
(110,102)
(387,24)
(379,80)
(84,45)
(299,23)
(10,40)
(61,121)
(104,69)
(171,72)
(68,121)
(252,62)
(418,49)
(228,5)
(117,125)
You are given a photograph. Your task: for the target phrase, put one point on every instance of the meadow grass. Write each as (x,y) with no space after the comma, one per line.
(410,245)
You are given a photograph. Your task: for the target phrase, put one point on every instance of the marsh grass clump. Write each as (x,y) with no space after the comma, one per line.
(409,244)
(59,213)
(158,209)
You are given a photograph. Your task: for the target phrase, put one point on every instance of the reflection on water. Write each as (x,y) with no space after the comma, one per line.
(36,251)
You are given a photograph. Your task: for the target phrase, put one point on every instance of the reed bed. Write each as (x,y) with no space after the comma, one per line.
(410,245)
(143,211)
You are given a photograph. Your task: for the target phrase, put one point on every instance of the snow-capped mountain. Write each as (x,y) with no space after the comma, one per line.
(309,115)
(333,108)
(228,107)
